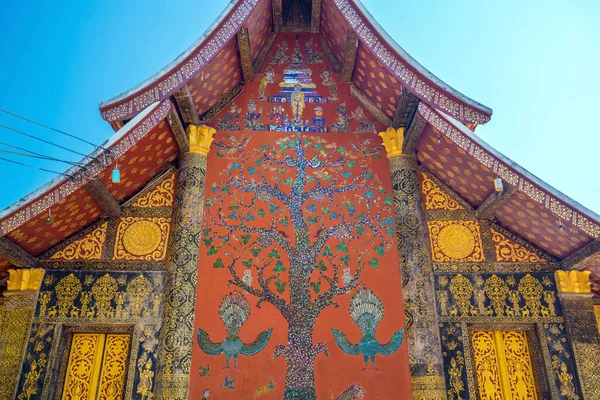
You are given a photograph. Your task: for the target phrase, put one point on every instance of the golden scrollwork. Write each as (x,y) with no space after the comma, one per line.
(496,290)
(67,290)
(88,247)
(85,360)
(597,313)
(455,241)
(104,291)
(531,289)
(435,198)
(138,291)
(461,289)
(509,251)
(503,365)
(142,238)
(393,141)
(24,279)
(573,281)
(201,138)
(161,196)
(114,366)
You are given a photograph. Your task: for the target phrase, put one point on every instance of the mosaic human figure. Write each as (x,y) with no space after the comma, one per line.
(330,83)
(264,81)
(297,102)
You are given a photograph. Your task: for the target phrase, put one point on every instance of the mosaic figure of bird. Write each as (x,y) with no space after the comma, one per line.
(234,311)
(204,371)
(366,310)
(232,146)
(229,383)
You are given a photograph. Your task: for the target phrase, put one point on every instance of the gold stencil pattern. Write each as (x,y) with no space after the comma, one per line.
(503,365)
(435,198)
(84,364)
(97,366)
(88,247)
(455,241)
(509,251)
(142,238)
(114,365)
(161,196)
(597,313)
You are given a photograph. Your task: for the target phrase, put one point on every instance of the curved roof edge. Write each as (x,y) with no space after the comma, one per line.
(417,79)
(561,205)
(61,187)
(166,81)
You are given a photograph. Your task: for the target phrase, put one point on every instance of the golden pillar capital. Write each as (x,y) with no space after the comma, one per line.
(24,279)
(573,282)
(200,138)
(393,141)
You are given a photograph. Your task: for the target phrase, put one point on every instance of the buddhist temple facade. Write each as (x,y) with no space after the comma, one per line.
(295,208)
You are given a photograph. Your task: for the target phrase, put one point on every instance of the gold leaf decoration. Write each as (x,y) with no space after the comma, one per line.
(435,198)
(509,251)
(161,196)
(88,247)
(114,365)
(142,238)
(455,241)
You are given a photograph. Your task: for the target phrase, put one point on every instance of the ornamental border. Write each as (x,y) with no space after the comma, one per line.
(423,87)
(165,85)
(505,171)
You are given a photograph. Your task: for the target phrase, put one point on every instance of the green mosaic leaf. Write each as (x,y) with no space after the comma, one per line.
(316,286)
(321,266)
(245,239)
(211,251)
(247,263)
(280,286)
(374,263)
(218,264)
(342,247)
(274,253)
(279,267)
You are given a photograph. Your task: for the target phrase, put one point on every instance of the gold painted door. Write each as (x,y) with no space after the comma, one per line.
(503,365)
(96,367)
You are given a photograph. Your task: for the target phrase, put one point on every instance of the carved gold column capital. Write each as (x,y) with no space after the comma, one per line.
(201,138)
(393,141)
(573,282)
(24,279)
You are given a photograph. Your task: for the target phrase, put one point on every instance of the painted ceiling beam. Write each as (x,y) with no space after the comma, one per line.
(179,132)
(334,62)
(243,42)
(315,18)
(349,56)
(185,103)
(264,51)
(494,201)
(370,106)
(277,15)
(412,134)
(583,258)
(16,255)
(406,110)
(102,196)
(221,104)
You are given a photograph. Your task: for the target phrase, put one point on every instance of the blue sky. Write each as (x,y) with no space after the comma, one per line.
(535,63)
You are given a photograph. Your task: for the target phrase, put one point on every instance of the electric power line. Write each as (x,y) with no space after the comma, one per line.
(52,129)
(47,142)
(34,167)
(38,155)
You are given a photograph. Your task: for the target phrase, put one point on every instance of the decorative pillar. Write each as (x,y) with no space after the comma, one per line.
(16,313)
(177,332)
(578,309)
(422,332)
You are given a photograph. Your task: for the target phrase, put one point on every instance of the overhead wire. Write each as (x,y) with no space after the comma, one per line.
(52,129)
(37,154)
(34,167)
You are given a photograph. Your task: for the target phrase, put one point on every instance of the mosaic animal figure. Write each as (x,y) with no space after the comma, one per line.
(264,390)
(234,311)
(366,310)
(229,383)
(204,371)
(352,393)
(232,147)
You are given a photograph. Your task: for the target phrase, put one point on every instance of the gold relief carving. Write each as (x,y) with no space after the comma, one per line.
(567,388)
(503,365)
(161,196)
(457,385)
(393,140)
(31,377)
(142,238)
(531,289)
(435,198)
(496,290)
(24,279)
(84,364)
(104,291)
(573,281)
(428,387)
(201,138)
(88,247)
(67,290)
(462,290)
(509,251)
(597,313)
(453,241)
(114,365)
